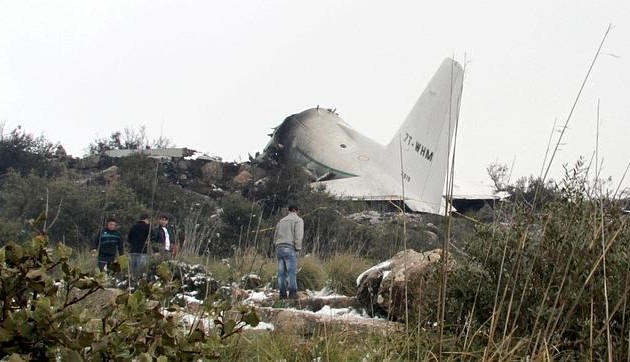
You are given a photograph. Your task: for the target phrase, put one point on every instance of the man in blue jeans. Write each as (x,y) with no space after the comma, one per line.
(138,239)
(288,241)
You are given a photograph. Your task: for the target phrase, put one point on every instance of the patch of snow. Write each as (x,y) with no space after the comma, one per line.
(327,310)
(257,297)
(188,320)
(380,266)
(190,299)
(325,293)
(262,326)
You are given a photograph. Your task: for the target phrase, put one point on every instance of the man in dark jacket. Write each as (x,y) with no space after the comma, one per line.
(138,239)
(163,236)
(108,242)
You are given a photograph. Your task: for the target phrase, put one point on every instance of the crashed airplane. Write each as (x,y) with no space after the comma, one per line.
(412,167)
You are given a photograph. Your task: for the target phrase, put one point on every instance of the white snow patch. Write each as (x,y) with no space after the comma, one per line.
(343,313)
(325,293)
(257,297)
(262,326)
(188,320)
(191,299)
(327,310)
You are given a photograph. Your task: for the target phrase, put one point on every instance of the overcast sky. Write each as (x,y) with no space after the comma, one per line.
(216,76)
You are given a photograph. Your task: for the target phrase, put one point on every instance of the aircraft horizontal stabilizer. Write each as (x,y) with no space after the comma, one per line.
(377,188)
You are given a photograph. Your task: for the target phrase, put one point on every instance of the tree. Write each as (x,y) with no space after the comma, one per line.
(130,139)
(24,153)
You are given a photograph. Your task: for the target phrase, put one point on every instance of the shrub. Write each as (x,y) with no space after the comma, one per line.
(249,261)
(42,317)
(310,274)
(26,154)
(342,271)
(540,276)
(240,217)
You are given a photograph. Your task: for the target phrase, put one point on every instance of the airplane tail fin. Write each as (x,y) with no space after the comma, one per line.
(424,139)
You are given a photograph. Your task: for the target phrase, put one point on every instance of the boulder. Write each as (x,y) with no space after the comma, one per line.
(212,172)
(109,176)
(243,178)
(381,289)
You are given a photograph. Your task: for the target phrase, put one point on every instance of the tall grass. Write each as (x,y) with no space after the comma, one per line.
(342,270)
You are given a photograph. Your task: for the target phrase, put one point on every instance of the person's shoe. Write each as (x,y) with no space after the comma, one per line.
(293,296)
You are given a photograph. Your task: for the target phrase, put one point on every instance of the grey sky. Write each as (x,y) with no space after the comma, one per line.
(216,76)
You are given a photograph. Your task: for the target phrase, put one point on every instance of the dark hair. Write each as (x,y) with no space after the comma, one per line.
(293,208)
(110,219)
(163,216)
(144,216)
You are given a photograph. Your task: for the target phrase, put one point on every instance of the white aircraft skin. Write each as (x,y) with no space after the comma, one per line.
(350,165)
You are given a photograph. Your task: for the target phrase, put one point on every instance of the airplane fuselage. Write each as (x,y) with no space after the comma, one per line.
(319,139)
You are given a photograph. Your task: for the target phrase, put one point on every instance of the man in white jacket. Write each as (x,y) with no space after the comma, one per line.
(288,242)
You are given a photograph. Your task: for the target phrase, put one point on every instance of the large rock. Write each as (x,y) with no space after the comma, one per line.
(108,176)
(243,178)
(212,172)
(381,289)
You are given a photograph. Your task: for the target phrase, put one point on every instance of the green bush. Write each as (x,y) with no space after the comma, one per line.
(24,154)
(76,211)
(539,276)
(239,222)
(44,316)
(310,274)
(342,271)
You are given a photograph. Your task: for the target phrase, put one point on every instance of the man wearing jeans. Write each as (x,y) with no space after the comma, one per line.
(138,244)
(288,241)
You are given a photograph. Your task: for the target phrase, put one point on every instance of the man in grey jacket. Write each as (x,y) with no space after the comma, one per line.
(288,241)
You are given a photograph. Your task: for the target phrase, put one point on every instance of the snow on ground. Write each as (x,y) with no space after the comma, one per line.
(189,319)
(323,294)
(262,326)
(190,299)
(257,297)
(348,312)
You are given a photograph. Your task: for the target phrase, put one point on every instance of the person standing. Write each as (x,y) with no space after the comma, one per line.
(288,242)
(108,242)
(163,236)
(138,239)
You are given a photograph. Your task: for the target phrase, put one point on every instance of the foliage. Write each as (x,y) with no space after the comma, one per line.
(25,153)
(240,218)
(322,345)
(557,278)
(285,184)
(499,174)
(533,191)
(310,275)
(42,319)
(342,271)
(76,210)
(248,261)
(130,139)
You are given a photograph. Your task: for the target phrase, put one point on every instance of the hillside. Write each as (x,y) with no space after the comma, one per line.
(543,276)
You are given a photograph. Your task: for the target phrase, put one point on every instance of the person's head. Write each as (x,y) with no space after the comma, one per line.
(111,224)
(293,208)
(163,220)
(144,218)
